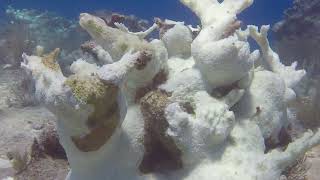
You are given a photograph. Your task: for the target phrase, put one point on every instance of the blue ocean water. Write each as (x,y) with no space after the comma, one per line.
(262,12)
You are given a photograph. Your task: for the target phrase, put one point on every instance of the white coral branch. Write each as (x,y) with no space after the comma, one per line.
(145,33)
(141,34)
(102,55)
(117,71)
(196,29)
(237,6)
(295,149)
(233,97)
(201,7)
(271,59)
(122,27)
(48,82)
(211,10)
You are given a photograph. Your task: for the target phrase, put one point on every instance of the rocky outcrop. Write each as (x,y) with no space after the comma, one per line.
(15,88)
(23,126)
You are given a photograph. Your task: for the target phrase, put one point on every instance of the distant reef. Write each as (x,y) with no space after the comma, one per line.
(298,35)
(23,29)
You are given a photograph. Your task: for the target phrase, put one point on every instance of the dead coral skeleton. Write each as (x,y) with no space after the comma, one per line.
(151,113)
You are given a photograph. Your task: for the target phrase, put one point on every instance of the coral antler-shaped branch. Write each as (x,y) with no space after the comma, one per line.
(272,60)
(98,52)
(237,6)
(141,34)
(115,41)
(262,39)
(46,73)
(295,149)
(201,8)
(211,10)
(118,71)
(98,89)
(233,97)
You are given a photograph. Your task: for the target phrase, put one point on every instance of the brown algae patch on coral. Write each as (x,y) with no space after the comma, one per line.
(50,60)
(87,89)
(105,117)
(131,42)
(158,79)
(187,107)
(97,137)
(143,60)
(161,153)
(97,29)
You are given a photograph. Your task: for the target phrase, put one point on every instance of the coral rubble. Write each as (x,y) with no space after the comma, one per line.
(184,106)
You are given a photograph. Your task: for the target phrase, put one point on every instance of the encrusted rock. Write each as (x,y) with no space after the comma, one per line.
(49,143)
(160,78)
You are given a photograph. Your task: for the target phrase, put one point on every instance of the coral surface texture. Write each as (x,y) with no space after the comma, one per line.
(195,104)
